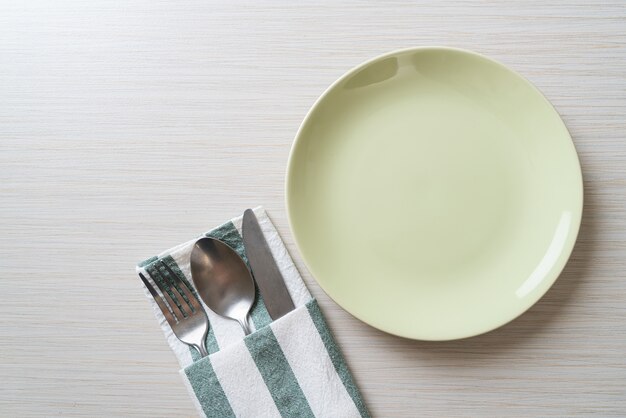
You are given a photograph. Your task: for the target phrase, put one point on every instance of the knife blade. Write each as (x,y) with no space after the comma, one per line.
(264,269)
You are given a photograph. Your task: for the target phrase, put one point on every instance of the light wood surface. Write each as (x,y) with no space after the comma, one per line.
(129,126)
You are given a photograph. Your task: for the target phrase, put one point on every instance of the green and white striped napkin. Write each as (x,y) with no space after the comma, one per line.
(287,368)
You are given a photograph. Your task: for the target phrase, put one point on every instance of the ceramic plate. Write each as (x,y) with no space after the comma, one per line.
(434,193)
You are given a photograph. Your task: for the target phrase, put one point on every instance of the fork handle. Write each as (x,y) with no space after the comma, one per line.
(202,349)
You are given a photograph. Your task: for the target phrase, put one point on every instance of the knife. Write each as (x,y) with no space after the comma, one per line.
(264,269)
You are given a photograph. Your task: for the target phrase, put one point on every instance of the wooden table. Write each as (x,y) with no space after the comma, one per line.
(128,127)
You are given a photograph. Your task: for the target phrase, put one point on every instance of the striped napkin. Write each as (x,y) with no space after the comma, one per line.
(287,368)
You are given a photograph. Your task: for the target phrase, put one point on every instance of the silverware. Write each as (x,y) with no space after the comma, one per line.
(185,315)
(266,273)
(223,280)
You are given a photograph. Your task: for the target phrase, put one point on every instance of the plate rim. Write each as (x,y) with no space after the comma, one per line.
(566,253)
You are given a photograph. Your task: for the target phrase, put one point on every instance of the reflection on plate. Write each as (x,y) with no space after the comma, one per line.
(434,193)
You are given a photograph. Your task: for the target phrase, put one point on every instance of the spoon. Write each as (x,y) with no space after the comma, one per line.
(223,280)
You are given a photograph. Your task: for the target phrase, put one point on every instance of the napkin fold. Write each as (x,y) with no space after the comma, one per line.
(290,367)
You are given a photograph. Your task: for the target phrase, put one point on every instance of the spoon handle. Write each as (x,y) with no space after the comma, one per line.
(245,325)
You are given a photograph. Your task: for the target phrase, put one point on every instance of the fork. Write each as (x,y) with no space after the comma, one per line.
(187,317)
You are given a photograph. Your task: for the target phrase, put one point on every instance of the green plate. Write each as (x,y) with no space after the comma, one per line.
(433,193)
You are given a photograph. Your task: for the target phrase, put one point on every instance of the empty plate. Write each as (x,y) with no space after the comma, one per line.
(434,193)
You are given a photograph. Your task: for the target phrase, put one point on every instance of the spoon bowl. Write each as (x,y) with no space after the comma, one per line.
(223,280)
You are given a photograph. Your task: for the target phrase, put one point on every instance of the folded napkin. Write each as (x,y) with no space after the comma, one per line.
(287,368)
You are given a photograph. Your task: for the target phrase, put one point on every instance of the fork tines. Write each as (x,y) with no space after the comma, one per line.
(180,306)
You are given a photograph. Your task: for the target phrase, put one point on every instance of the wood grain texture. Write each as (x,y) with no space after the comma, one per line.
(128,127)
